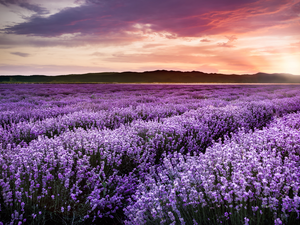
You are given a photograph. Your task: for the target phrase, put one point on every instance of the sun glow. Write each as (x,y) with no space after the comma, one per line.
(291,65)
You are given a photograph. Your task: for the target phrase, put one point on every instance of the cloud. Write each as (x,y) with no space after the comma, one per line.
(178,18)
(210,58)
(296,8)
(152,45)
(10,40)
(22,54)
(86,20)
(117,22)
(228,44)
(33,69)
(98,54)
(205,40)
(297,44)
(186,55)
(24,4)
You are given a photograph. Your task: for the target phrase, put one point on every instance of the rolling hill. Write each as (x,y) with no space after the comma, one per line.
(157,76)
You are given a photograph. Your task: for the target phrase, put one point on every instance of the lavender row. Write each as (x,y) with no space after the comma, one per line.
(253,178)
(91,174)
(197,129)
(28,114)
(36,102)
(27,131)
(16,133)
(75,176)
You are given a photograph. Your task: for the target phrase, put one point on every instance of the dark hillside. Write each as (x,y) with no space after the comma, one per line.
(158,76)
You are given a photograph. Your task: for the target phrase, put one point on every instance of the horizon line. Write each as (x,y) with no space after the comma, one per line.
(159,70)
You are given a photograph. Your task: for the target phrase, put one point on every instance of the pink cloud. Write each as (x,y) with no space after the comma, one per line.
(152,45)
(48,69)
(228,44)
(210,58)
(297,44)
(205,40)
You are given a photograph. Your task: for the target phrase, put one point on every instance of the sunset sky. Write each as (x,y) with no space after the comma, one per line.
(55,37)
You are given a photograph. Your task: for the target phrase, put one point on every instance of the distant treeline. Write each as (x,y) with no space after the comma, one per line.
(158,76)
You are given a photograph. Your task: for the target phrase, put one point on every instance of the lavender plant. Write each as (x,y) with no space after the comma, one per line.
(136,154)
(252,178)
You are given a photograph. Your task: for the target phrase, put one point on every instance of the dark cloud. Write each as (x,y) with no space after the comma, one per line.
(24,4)
(296,8)
(22,54)
(179,18)
(172,18)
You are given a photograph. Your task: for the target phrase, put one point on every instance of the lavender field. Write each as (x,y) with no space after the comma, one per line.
(149,154)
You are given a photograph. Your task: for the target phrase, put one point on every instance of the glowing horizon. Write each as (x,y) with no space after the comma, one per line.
(83,36)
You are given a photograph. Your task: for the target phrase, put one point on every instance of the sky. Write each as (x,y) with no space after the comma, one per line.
(214,36)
